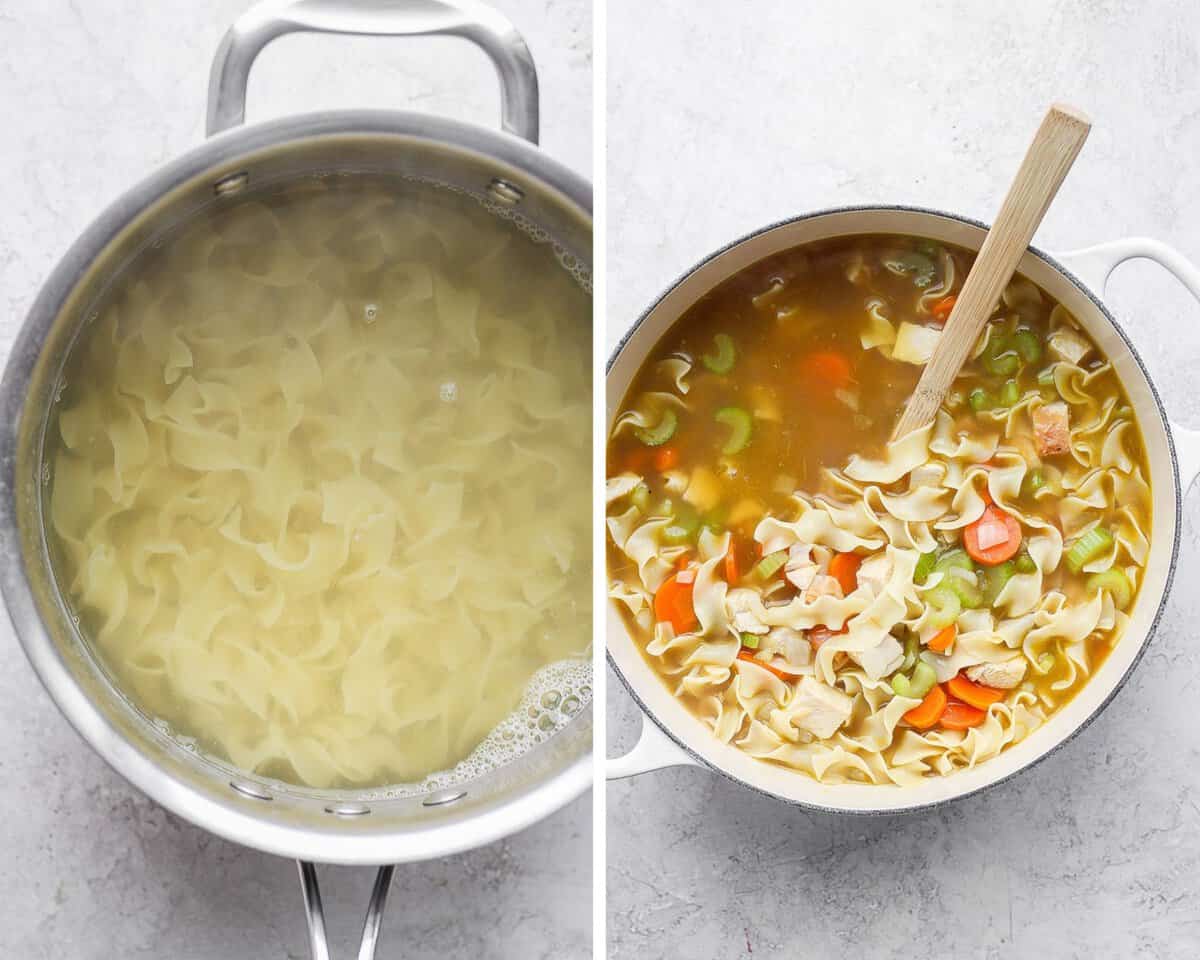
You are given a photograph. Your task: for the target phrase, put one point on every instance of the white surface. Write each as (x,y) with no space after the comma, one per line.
(720,123)
(96,94)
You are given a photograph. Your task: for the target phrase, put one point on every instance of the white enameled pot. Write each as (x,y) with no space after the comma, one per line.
(672,736)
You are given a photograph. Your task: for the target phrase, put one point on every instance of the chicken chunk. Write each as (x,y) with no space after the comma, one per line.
(999,676)
(746,611)
(1069,345)
(1052,426)
(823,585)
(819,709)
(874,572)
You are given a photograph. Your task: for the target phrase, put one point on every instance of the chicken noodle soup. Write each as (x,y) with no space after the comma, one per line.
(859,610)
(320,482)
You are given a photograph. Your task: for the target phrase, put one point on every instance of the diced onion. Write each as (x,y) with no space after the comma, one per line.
(991,534)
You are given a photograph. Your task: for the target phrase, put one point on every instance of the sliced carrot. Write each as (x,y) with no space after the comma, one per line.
(682,561)
(819,634)
(732,573)
(826,369)
(844,569)
(960,716)
(673,605)
(941,310)
(633,460)
(926,713)
(994,522)
(748,656)
(665,458)
(976,694)
(943,638)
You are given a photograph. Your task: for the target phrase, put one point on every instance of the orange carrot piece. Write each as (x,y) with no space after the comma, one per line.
(975,694)
(682,561)
(748,656)
(926,713)
(994,520)
(826,369)
(961,716)
(941,309)
(943,638)
(732,573)
(673,605)
(844,569)
(665,458)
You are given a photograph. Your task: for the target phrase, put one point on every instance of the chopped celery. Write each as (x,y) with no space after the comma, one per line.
(1034,481)
(1025,563)
(963,585)
(954,559)
(659,434)
(770,565)
(740,426)
(1027,345)
(1003,365)
(722,361)
(676,534)
(1046,377)
(1116,583)
(925,566)
(750,641)
(980,399)
(927,247)
(1088,547)
(921,268)
(1046,662)
(945,606)
(684,525)
(994,580)
(1010,394)
(640,497)
(912,649)
(924,677)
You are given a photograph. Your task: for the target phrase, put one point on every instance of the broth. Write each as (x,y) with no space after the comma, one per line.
(761,421)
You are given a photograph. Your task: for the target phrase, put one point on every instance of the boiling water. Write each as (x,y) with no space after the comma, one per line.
(321,484)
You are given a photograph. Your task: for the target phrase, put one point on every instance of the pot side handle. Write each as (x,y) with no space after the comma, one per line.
(471,19)
(1094,265)
(653,751)
(315,913)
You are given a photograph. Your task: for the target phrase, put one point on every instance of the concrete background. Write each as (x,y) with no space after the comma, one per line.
(94,95)
(724,117)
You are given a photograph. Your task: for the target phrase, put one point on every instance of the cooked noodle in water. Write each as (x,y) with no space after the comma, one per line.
(321,479)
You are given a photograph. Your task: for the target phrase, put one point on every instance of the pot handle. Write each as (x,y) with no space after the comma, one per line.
(314,912)
(1094,265)
(475,21)
(653,751)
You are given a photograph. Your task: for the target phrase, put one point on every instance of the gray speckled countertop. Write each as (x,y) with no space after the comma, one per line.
(95,94)
(720,122)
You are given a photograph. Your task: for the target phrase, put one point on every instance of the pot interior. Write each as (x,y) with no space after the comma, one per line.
(376,825)
(796,787)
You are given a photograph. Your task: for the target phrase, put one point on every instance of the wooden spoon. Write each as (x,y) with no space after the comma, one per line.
(1050,155)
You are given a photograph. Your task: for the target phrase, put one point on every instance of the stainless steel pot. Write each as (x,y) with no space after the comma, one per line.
(507,169)
(672,736)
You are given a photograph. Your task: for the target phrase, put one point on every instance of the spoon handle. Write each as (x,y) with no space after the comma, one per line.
(1050,155)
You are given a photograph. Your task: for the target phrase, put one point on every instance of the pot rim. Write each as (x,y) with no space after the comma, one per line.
(1059,268)
(234,818)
